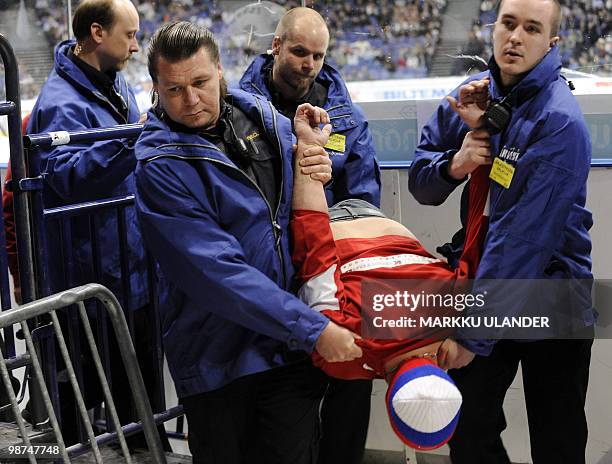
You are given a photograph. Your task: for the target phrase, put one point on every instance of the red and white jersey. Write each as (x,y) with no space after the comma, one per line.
(330,276)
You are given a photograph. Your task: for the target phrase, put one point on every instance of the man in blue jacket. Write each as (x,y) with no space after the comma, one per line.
(214,183)
(86,90)
(295,73)
(540,151)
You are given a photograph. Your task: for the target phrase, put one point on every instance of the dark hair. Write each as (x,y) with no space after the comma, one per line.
(556,23)
(178,40)
(92,11)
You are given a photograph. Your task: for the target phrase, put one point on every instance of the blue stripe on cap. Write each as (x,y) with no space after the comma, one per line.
(419,439)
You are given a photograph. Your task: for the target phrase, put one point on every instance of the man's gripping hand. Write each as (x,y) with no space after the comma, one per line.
(475,151)
(314,161)
(337,344)
(311,157)
(451,355)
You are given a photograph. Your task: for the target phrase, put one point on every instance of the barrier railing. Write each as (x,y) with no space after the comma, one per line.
(12,109)
(68,222)
(32,224)
(57,448)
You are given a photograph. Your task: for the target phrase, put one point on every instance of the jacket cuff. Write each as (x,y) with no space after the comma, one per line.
(479,347)
(307,330)
(443,165)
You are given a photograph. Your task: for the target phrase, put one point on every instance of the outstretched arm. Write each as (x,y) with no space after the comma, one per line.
(335,343)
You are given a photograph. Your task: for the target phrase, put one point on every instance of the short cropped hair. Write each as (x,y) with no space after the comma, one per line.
(556,22)
(92,11)
(287,23)
(178,40)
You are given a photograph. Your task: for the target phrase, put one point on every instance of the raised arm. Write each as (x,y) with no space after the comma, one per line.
(453,144)
(308,191)
(320,288)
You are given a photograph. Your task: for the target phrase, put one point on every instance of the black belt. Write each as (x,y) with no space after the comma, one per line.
(348,210)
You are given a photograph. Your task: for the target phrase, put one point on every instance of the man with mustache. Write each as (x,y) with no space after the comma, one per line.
(295,73)
(534,135)
(214,186)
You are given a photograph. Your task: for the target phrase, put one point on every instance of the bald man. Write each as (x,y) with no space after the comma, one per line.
(86,90)
(293,73)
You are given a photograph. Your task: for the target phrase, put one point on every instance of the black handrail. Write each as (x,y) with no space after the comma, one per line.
(18,170)
(20,198)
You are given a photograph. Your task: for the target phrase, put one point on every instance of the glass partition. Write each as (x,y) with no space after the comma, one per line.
(386,50)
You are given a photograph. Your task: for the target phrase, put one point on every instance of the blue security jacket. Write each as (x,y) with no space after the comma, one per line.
(82,172)
(355,171)
(539,225)
(224,253)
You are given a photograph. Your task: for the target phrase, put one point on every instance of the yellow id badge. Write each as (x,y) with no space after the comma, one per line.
(336,142)
(502,172)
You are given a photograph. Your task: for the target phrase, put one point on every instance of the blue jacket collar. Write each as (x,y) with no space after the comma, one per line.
(65,68)
(541,76)
(338,98)
(157,138)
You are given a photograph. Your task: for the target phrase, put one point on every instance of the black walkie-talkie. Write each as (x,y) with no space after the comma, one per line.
(497,116)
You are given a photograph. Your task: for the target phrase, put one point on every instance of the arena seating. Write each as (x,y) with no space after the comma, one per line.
(370,40)
(385,39)
(586,28)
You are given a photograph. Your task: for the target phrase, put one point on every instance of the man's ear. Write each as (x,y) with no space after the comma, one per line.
(220,70)
(276,43)
(97,32)
(553,41)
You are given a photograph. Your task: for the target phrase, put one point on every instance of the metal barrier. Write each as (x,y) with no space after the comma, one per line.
(32,223)
(7,338)
(12,109)
(50,305)
(62,218)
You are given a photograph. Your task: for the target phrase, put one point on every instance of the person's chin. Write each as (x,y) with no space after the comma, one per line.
(120,66)
(513,69)
(303,85)
(195,122)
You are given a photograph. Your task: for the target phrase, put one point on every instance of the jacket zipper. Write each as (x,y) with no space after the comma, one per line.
(276,228)
(100,96)
(106,100)
(259,90)
(333,108)
(339,116)
(96,93)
